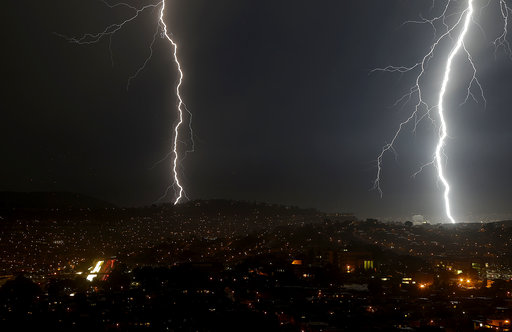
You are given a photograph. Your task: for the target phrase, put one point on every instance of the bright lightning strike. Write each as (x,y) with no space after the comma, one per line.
(440,108)
(109,32)
(456,33)
(180,110)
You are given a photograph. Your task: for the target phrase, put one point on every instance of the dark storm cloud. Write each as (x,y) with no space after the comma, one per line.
(284,107)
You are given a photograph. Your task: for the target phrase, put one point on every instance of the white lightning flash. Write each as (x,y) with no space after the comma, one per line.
(422,109)
(180,192)
(440,107)
(161,27)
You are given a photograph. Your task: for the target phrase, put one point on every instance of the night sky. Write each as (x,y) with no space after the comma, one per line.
(285,109)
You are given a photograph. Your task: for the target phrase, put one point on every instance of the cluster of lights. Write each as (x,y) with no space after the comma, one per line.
(94,271)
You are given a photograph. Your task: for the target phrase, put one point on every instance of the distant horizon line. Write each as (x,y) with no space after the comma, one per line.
(478,218)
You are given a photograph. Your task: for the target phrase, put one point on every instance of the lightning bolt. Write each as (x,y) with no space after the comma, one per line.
(180,192)
(109,32)
(422,109)
(440,107)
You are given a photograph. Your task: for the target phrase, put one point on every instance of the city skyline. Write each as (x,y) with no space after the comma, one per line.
(232,266)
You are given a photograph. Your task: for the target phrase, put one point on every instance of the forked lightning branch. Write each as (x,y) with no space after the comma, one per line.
(159,8)
(453,25)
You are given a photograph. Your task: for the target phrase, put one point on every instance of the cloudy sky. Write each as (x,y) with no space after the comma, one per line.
(285,108)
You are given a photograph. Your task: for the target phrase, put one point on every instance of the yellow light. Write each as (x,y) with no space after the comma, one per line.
(97,267)
(90,277)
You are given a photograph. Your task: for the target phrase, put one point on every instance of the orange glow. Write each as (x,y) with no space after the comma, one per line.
(297,262)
